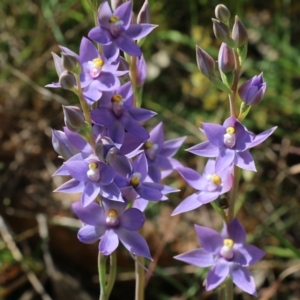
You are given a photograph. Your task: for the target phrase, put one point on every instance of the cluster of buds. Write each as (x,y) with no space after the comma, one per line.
(111,158)
(227,148)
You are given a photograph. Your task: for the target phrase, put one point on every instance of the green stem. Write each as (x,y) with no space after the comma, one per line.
(85,109)
(139,278)
(112,273)
(102,275)
(133,75)
(233,194)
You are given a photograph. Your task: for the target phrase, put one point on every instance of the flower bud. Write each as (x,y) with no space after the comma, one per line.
(253,90)
(205,62)
(222,13)
(74,118)
(226,59)
(141,71)
(62,145)
(221,31)
(67,80)
(69,62)
(144,14)
(239,33)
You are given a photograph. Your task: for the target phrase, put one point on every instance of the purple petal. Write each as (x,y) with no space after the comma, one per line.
(140,165)
(103,116)
(107,82)
(132,219)
(210,167)
(205,149)
(217,275)
(129,193)
(192,177)
(122,165)
(134,243)
(89,234)
(154,173)
(225,159)
(134,128)
(157,135)
(107,174)
(128,46)
(215,133)
(76,140)
(119,207)
(244,160)
(91,191)
(140,204)
(87,51)
(130,144)
(111,52)
(243,137)
(210,240)
(242,278)
(71,186)
(164,162)
(104,13)
(171,147)
(77,169)
(149,193)
(141,114)
(251,255)
(138,31)
(198,257)
(207,197)
(262,137)
(124,12)
(188,204)
(116,133)
(109,242)
(57,63)
(91,215)
(112,192)
(62,171)
(100,35)
(235,231)
(91,93)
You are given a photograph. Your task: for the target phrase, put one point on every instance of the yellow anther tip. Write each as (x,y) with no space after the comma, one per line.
(216,179)
(230,130)
(114,19)
(148,144)
(93,166)
(116,98)
(228,242)
(112,213)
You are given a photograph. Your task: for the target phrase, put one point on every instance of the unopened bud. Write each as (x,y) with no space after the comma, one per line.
(221,31)
(239,33)
(67,80)
(226,59)
(144,14)
(141,71)
(69,62)
(74,118)
(205,62)
(222,13)
(62,145)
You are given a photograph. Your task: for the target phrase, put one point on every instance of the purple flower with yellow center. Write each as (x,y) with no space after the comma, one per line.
(135,186)
(117,114)
(210,186)
(230,143)
(116,33)
(110,223)
(228,255)
(97,74)
(253,90)
(90,177)
(159,152)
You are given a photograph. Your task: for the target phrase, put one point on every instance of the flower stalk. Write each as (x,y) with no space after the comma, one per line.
(139,278)
(102,275)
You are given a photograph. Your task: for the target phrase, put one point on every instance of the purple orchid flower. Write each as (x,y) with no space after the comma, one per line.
(111,223)
(230,143)
(135,186)
(159,152)
(253,90)
(97,74)
(227,253)
(116,33)
(90,177)
(210,186)
(117,113)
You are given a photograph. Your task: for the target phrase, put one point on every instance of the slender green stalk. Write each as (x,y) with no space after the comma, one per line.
(233,194)
(133,76)
(112,273)
(102,276)
(139,278)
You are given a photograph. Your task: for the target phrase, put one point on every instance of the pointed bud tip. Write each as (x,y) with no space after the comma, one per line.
(222,13)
